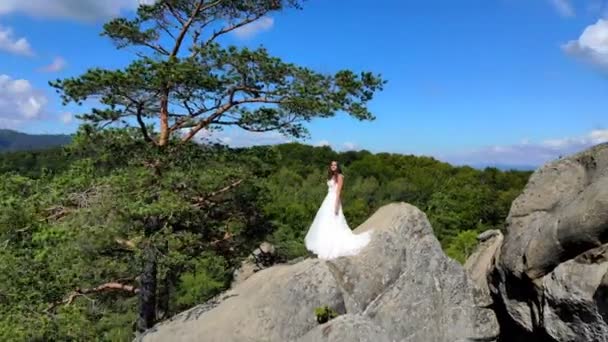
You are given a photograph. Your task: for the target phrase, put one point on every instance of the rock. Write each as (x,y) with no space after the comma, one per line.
(247,269)
(267,248)
(401,287)
(574,306)
(560,214)
(404,273)
(262,257)
(480,264)
(551,267)
(488,234)
(351,328)
(276,304)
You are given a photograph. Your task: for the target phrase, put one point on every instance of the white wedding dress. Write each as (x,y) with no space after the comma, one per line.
(329,236)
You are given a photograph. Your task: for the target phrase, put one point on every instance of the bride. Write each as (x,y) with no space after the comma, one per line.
(329,236)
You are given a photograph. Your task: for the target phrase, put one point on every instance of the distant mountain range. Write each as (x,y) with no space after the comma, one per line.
(505,167)
(16,141)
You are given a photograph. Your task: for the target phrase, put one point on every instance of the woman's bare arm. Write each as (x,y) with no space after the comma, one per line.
(338,192)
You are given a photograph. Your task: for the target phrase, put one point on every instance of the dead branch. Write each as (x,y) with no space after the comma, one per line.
(56,213)
(127,244)
(107,287)
(227,236)
(202,201)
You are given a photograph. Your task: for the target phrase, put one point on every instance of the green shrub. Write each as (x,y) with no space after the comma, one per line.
(325,314)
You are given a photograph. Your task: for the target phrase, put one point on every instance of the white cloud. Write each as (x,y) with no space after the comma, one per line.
(592,45)
(19,101)
(258,26)
(237,137)
(66,117)
(349,146)
(564,7)
(598,136)
(528,153)
(12,44)
(71,9)
(57,65)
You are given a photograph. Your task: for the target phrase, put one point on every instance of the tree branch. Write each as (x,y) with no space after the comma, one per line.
(232,28)
(156,48)
(206,122)
(107,287)
(57,213)
(204,200)
(251,129)
(164,25)
(185,27)
(226,107)
(175,13)
(227,236)
(142,126)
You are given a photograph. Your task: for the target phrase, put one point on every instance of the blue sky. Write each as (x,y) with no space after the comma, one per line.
(516,82)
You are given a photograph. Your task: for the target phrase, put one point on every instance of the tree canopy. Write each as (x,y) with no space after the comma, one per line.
(183,81)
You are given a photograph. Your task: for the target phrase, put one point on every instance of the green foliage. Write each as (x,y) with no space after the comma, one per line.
(462,245)
(184,79)
(85,227)
(208,277)
(68,229)
(325,314)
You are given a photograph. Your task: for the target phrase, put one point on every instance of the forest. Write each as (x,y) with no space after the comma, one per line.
(138,218)
(71,220)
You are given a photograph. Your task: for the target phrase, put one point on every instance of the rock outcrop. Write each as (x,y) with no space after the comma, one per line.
(401,287)
(481,262)
(549,278)
(262,257)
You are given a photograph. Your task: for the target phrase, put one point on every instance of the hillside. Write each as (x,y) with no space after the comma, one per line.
(75,218)
(16,141)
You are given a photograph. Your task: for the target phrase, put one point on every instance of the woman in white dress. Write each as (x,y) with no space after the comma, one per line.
(329,236)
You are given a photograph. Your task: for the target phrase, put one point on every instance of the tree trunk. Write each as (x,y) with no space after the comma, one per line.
(148,282)
(164,292)
(147,293)
(164,119)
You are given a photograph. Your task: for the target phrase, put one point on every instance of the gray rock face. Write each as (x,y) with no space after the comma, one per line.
(404,282)
(352,328)
(481,262)
(401,287)
(551,269)
(276,304)
(574,303)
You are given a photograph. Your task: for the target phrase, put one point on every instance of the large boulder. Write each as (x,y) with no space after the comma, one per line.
(406,284)
(401,287)
(550,275)
(275,304)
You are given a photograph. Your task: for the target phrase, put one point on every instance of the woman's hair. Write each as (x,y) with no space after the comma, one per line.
(330,173)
